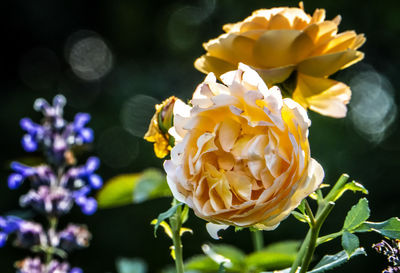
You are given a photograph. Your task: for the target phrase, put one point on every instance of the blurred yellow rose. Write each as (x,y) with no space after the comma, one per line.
(161,122)
(242,155)
(289,47)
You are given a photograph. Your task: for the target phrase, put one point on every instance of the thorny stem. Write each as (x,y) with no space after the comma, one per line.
(176,224)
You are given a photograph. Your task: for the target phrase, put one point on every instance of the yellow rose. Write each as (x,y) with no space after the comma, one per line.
(242,155)
(289,47)
(161,122)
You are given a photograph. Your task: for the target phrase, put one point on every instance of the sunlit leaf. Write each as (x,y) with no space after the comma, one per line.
(350,243)
(152,184)
(125,265)
(217,257)
(166,227)
(302,206)
(329,262)
(389,228)
(301,217)
(133,188)
(202,263)
(352,186)
(275,256)
(357,215)
(267,260)
(118,191)
(288,247)
(234,257)
(184,230)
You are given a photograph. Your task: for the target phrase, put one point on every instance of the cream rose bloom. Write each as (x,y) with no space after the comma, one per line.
(290,47)
(242,155)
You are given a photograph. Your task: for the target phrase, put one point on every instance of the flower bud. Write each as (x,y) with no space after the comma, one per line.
(161,122)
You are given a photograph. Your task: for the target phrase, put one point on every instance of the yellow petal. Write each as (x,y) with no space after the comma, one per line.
(328,64)
(340,42)
(279,21)
(208,63)
(321,32)
(275,75)
(325,96)
(273,49)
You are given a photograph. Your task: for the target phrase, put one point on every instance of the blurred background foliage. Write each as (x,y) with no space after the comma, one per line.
(116,59)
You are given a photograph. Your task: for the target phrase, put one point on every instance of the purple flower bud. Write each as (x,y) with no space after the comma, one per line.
(76,270)
(29,143)
(86,134)
(40,104)
(59,101)
(15,180)
(22,169)
(88,206)
(29,265)
(12,224)
(95,181)
(92,164)
(3,239)
(82,192)
(74,237)
(81,119)
(28,125)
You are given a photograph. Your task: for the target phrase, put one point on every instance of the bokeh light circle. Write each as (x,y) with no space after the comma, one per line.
(88,55)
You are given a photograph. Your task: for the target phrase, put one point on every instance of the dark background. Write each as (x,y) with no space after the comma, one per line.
(153,46)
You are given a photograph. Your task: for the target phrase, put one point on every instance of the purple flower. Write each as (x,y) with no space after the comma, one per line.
(74,237)
(35,265)
(47,200)
(8,225)
(54,187)
(30,265)
(30,234)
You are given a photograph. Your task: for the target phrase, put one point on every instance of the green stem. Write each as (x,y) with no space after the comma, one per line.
(53,222)
(329,237)
(176,224)
(308,247)
(337,188)
(258,239)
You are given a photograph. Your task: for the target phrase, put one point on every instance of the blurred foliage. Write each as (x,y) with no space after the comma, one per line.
(126,189)
(153,46)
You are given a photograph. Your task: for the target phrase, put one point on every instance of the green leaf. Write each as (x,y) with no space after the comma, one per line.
(133,188)
(125,265)
(301,217)
(201,263)
(331,261)
(232,257)
(152,184)
(302,207)
(355,186)
(267,260)
(357,215)
(389,228)
(350,243)
(118,191)
(288,247)
(352,186)
(165,215)
(274,256)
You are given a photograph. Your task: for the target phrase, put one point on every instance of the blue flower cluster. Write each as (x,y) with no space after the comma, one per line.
(54,188)
(392,251)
